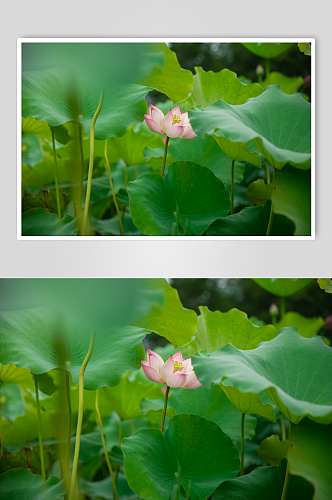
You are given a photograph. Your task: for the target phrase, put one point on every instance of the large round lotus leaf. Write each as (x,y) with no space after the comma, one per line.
(310,456)
(130,147)
(263,483)
(252,221)
(209,87)
(278,124)
(171,79)
(251,403)
(45,96)
(216,329)
(267,50)
(10,374)
(40,341)
(192,447)
(41,222)
(292,198)
(214,405)
(21,484)
(295,372)
(307,327)
(283,287)
(190,197)
(92,303)
(171,320)
(207,153)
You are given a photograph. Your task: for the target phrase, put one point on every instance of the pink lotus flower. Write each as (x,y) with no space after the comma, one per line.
(174,124)
(176,372)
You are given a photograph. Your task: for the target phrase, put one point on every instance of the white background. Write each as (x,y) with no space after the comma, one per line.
(173,18)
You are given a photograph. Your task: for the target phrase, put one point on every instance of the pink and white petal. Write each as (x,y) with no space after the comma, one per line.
(192,382)
(175,130)
(157,115)
(176,111)
(188,132)
(151,374)
(187,366)
(178,357)
(167,369)
(178,379)
(155,361)
(184,119)
(167,122)
(153,126)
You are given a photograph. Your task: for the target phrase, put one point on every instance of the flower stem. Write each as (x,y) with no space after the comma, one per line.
(165,156)
(56,176)
(40,436)
(269,227)
(282,307)
(242,445)
(69,422)
(79,417)
(120,431)
(91,159)
(287,476)
(165,409)
(108,170)
(100,425)
(80,142)
(282,427)
(232,188)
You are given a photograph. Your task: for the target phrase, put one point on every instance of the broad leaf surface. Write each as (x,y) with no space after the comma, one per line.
(305,48)
(307,327)
(263,483)
(171,79)
(252,221)
(27,458)
(278,124)
(283,287)
(189,193)
(301,388)
(104,488)
(45,97)
(32,126)
(259,192)
(10,374)
(196,446)
(288,84)
(250,403)
(311,456)
(172,320)
(325,284)
(292,198)
(267,50)
(216,329)
(41,222)
(31,339)
(209,87)
(21,484)
(112,226)
(273,450)
(130,146)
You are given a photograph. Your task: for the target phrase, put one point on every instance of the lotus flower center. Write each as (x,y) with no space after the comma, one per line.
(177,366)
(176,119)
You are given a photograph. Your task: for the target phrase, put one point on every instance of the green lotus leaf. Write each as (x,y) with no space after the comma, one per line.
(45,96)
(307,327)
(32,126)
(292,198)
(192,447)
(283,287)
(154,409)
(10,374)
(41,222)
(267,50)
(21,484)
(278,124)
(273,450)
(286,368)
(104,488)
(305,48)
(172,321)
(216,329)
(209,87)
(171,79)
(288,84)
(131,145)
(325,284)
(27,458)
(189,199)
(31,339)
(310,456)
(259,192)
(251,403)
(46,199)
(262,483)
(252,221)
(112,226)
